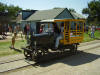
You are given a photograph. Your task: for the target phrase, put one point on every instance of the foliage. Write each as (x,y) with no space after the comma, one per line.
(93,12)
(11,10)
(2,7)
(72,10)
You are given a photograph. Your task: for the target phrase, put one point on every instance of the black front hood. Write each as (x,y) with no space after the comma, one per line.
(42,38)
(39,35)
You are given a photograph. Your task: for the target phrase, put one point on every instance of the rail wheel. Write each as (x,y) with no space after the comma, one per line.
(27,54)
(73,48)
(34,55)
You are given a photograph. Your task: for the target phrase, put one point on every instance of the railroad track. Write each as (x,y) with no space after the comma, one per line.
(89,47)
(90,43)
(19,65)
(11,61)
(33,63)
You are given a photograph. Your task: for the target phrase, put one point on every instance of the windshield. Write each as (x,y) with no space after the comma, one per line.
(45,28)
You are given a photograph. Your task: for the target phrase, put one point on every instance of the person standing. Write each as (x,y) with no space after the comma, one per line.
(92,31)
(16,30)
(41,29)
(27,32)
(10,28)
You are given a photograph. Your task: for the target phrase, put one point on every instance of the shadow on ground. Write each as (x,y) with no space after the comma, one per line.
(18,50)
(74,60)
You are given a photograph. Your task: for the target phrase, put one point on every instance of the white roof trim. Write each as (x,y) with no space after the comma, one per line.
(49,20)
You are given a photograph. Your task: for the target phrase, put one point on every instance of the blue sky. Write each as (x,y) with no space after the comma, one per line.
(78,5)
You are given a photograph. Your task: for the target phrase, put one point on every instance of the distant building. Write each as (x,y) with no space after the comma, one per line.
(22,16)
(4,17)
(56,13)
(4,20)
(35,16)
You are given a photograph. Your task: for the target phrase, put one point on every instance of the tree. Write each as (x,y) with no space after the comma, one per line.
(2,7)
(11,11)
(72,10)
(93,12)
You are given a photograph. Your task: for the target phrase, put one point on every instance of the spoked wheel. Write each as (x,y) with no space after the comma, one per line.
(34,55)
(44,51)
(73,48)
(27,54)
(37,54)
(62,50)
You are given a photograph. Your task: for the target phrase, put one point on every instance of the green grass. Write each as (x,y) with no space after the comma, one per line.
(5,50)
(87,38)
(97,34)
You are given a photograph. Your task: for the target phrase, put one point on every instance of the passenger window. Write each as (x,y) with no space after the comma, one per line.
(73,25)
(47,28)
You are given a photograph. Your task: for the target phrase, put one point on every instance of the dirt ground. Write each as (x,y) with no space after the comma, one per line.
(84,63)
